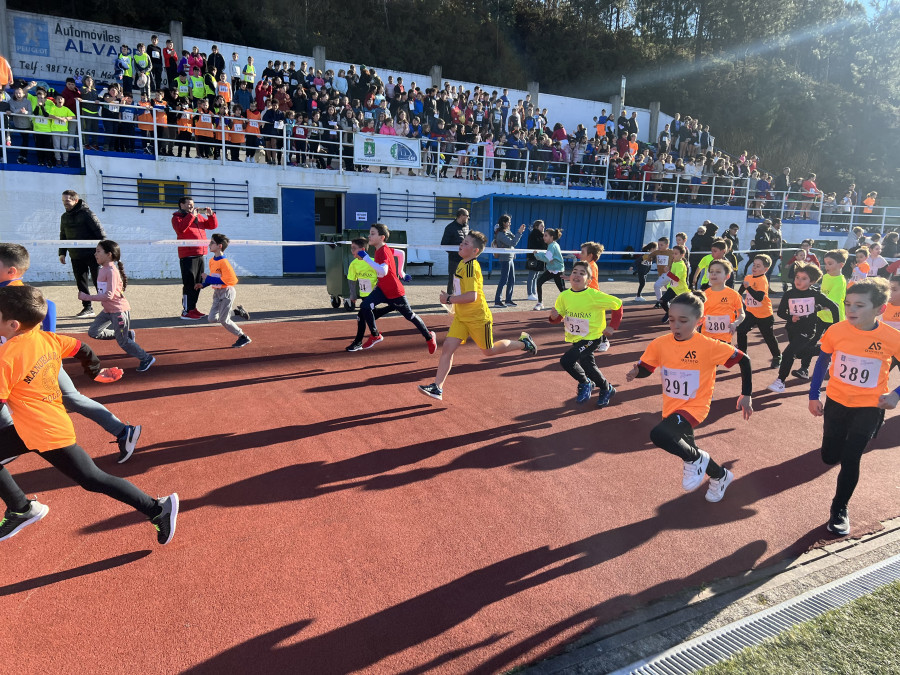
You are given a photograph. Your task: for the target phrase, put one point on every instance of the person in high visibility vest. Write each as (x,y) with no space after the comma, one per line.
(185,129)
(90,113)
(59,127)
(124,70)
(181,89)
(211,80)
(249,72)
(42,110)
(204,126)
(223,89)
(142,65)
(198,87)
(145,122)
(235,138)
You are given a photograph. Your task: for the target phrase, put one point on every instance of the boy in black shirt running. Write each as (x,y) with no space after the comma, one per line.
(798,308)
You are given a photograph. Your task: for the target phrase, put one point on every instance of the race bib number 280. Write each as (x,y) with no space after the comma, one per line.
(718,324)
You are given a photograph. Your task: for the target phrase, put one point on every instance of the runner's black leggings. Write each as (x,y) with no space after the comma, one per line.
(675,435)
(845,434)
(803,345)
(579,362)
(368,313)
(766,328)
(642,270)
(75,463)
(546,275)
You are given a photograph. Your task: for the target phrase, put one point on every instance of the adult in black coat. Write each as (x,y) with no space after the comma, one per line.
(79,222)
(454,234)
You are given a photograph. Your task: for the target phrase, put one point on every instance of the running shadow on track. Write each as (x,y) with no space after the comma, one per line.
(365,642)
(46,479)
(74,573)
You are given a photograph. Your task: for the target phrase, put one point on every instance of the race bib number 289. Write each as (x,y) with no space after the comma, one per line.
(858,371)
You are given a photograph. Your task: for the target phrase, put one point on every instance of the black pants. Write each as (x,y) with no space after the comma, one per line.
(85,270)
(191,269)
(675,435)
(545,276)
(453,260)
(667,298)
(44,144)
(766,327)
(803,344)
(75,463)
(642,269)
(579,362)
(368,313)
(846,432)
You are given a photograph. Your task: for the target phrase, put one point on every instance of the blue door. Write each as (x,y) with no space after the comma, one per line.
(298,223)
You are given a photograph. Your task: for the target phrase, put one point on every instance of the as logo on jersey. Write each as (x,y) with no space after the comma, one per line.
(874,347)
(723,299)
(690,356)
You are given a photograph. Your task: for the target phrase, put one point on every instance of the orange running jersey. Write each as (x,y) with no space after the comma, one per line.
(891,316)
(29,383)
(860,363)
(688,370)
(595,276)
(719,312)
(758,309)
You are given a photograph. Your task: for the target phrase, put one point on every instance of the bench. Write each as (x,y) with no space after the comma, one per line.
(417,258)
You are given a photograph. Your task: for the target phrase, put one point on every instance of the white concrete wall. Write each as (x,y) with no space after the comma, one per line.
(32,208)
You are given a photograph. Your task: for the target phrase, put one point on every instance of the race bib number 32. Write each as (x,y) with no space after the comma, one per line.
(580,327)
(858,371)
(682,384)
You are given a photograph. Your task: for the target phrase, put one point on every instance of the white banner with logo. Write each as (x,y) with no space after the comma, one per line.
(52,48)
(380,150)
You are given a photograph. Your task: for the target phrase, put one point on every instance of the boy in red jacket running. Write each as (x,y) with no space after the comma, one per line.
(188,225)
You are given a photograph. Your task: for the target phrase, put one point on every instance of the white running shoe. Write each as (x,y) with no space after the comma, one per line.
(777,386)
(638,298)
(717,487)
(538,307)
(532,297)
(603,346)
(694,472)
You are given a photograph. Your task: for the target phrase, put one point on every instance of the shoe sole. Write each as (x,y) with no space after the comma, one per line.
(357,349)
(721,494)
(243,344)
(430,395)
(775,389)
(191,318)
(147,367)
(8,460)
(131,444)
(38,516)
(173,518)
(837,532)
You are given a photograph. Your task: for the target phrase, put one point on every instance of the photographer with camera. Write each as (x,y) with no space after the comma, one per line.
(188,224)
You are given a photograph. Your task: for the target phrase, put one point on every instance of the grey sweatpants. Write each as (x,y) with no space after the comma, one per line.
(222,308)
(76,402)
(120,322)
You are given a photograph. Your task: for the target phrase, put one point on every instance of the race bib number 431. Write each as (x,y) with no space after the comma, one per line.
(681,384)
(858,371)
(802,306)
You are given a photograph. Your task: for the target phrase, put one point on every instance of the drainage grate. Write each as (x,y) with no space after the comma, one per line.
(724,642)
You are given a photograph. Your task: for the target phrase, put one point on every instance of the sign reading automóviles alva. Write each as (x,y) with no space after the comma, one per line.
(53,48)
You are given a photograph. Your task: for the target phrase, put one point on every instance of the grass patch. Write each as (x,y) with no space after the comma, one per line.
(863,638)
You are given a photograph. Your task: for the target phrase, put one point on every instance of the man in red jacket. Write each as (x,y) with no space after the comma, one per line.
(188,225)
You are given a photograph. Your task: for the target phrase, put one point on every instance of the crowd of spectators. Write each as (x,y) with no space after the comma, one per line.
(162,102)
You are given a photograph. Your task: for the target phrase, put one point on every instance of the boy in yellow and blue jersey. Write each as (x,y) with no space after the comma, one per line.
(362,278)
(472,317)
(223,279)
(582,310)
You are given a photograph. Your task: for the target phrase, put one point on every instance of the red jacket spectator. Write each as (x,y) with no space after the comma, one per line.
(70,96)
(189,226)
(263,92)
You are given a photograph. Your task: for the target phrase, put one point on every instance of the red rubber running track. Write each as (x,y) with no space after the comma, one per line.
(334,520)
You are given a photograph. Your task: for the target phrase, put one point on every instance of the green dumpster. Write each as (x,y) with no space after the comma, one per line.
(337,261)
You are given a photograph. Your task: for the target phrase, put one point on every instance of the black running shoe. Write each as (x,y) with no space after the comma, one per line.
(354,346)
(432,390)
(839,523)
(242,341)
(606,396)
(776,361)
(85,313)
(127,441)
(802,373)
(165,521)
(13,522)
(241,312)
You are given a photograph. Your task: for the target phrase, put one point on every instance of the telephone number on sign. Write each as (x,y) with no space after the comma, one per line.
(77,72)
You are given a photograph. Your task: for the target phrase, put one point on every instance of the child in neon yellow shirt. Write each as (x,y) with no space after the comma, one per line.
(362,278)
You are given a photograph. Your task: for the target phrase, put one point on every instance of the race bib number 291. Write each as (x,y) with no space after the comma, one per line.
(682,384)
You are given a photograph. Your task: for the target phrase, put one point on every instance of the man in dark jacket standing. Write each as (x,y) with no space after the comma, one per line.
(79,222)
(454,234)
(189,225)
